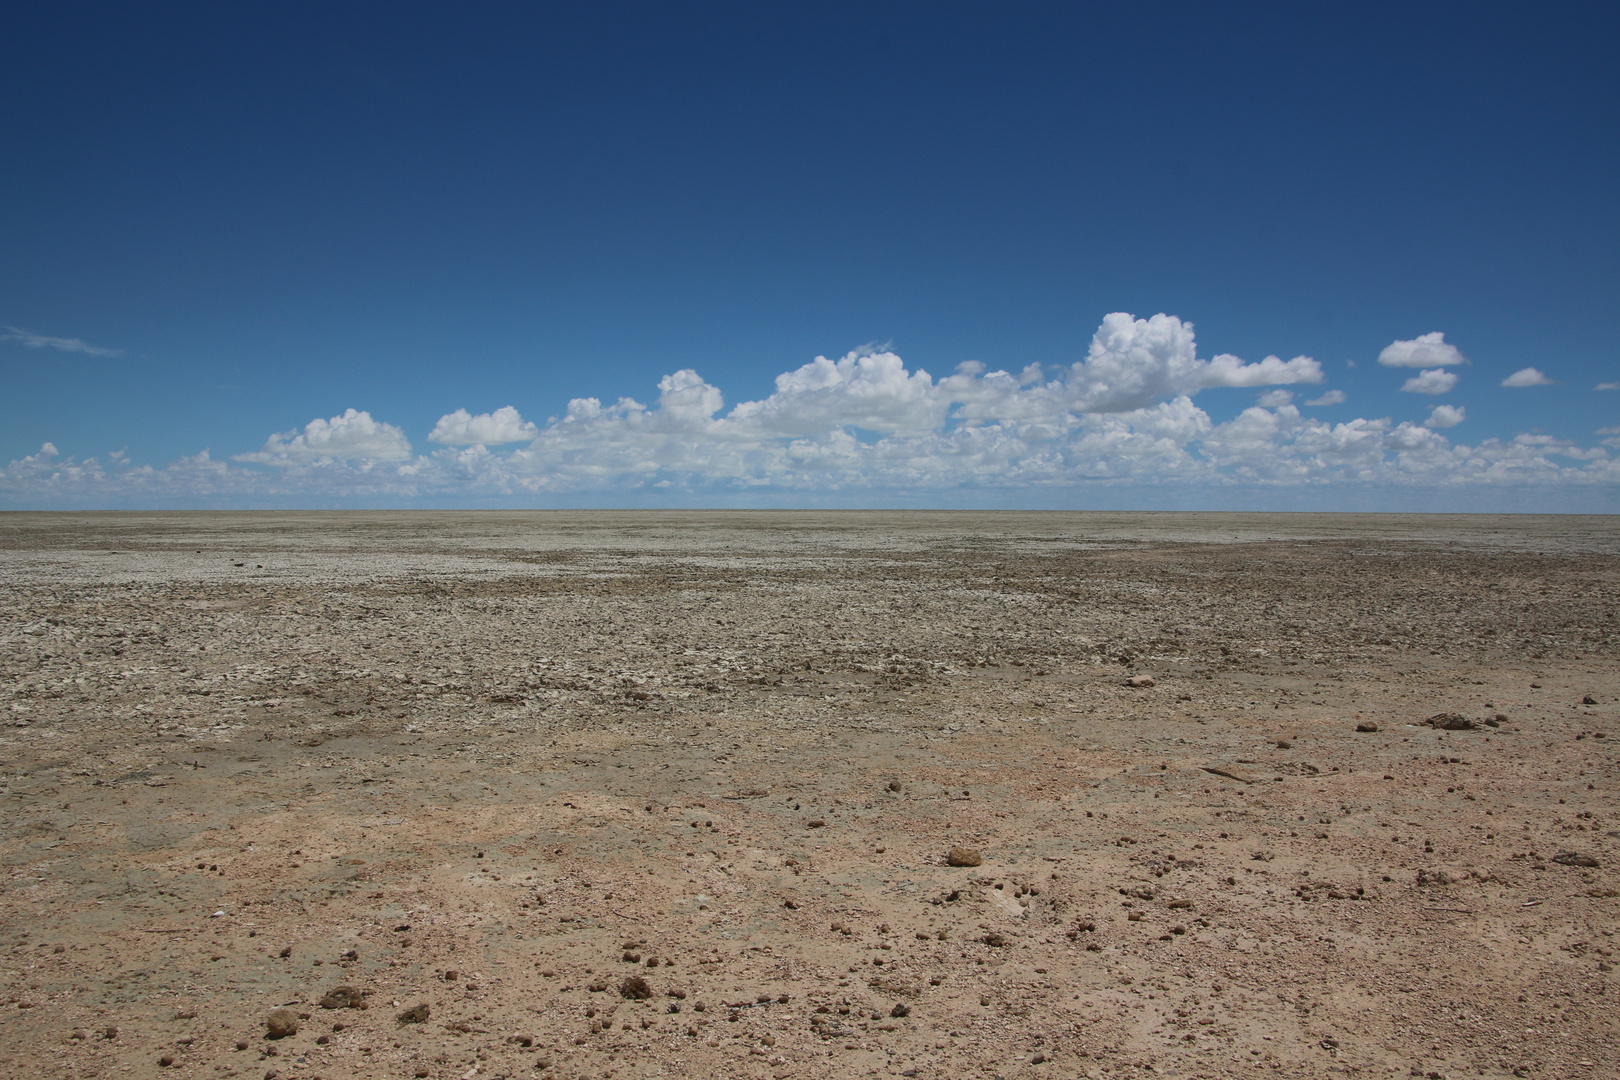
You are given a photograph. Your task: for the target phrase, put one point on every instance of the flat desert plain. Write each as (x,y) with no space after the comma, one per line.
(677,795)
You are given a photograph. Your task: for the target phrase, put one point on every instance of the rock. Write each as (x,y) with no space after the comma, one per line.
(1284,744)
(963,856)
(895,785)
(635,988)
(900,1010)
(1367,727)
(1589,700)
(994,940)
(1574,858)
(343,997)
(1139,682)
(416,1014)
(281,1023)
(1450,721)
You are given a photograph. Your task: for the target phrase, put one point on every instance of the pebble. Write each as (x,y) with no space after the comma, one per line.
(963,856)
(343,997)
(1450,721)
(1366,727)
(1139,682)
(416,1014)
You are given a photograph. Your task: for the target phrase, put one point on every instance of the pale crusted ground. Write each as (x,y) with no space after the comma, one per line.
(252,758)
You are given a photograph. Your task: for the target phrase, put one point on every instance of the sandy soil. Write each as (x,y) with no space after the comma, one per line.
(636,795)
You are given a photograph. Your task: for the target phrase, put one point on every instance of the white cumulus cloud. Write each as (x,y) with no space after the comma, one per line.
(461,427)
(1526,377)
(1445,416)
(1134,361)
(353,436)
(1332,397)
(1272,399)
(1432,381)
(31,340)
(1425,350)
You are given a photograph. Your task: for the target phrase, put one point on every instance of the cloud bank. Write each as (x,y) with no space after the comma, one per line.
(859,428)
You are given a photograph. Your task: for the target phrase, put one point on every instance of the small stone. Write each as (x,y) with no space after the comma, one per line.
(1366,727)
(963,856)
(815,823)
(1574,858)
(635,988)
(1450,721)
(165,1061)
(895,785)
(1139,682)
(281,1023)
(343,997)
(416,1014)
(900,1010)
(1284,744)
(1589,700)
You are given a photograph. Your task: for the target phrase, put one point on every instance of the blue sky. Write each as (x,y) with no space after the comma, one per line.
(226,223)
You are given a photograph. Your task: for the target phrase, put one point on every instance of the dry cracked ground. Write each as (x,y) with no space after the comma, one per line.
(672,795)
